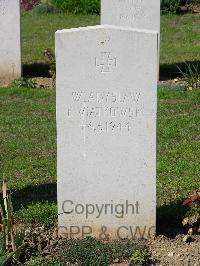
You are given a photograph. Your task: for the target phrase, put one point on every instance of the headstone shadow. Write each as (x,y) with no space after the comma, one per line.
(34,194)
(36,70)
(171,71)
(169,219)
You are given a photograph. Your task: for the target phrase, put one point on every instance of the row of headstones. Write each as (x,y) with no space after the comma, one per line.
(106,117)
(141,14)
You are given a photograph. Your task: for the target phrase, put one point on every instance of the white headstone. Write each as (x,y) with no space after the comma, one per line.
(141,14)
(106,132)
(10,48)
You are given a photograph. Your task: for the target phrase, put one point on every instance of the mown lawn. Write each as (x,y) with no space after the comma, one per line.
(180,38)
(28,149)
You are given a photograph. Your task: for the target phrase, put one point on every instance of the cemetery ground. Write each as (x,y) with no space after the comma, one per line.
(28,147)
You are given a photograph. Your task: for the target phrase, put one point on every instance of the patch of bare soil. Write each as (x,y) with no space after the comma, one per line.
(191,8)
(175,252)
(42,82)
(165,251)
(195,9)
(173,82)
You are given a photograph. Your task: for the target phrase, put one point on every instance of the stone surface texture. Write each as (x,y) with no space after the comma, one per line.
(106,131)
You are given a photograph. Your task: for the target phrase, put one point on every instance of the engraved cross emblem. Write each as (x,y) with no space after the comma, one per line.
(106,62)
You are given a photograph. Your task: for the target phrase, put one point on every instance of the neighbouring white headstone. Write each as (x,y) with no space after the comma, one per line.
(141,14)
(10,47)
(106,132)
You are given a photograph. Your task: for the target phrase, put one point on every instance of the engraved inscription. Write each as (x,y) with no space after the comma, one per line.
(137,14)
(105,111)
(105,62)
(95,112)
(134,10)
(108,126)
(105,97)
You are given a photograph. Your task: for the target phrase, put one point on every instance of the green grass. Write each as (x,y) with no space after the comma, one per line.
(180,38)
(178,152)
(41,213)
(178,166)
(28,148)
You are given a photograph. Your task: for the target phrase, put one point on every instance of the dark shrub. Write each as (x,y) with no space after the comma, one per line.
(170,6)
